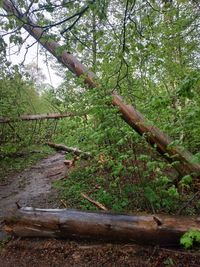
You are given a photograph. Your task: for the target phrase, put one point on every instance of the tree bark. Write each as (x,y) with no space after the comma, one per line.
(156,138)
(62,223)
(73,150)
(36,117)
(135,119)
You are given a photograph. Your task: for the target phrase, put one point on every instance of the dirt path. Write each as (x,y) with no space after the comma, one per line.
(33,187)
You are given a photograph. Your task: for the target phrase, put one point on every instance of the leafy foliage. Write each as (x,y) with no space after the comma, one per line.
(19,97)
(189,238)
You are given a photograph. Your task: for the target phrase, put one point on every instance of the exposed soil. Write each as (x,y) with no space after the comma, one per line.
(65,253)
(33,187)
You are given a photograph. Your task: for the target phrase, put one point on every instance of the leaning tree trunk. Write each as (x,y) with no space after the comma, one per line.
(158,229)
(153,135)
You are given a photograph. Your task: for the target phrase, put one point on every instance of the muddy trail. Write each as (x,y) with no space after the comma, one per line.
(33,187)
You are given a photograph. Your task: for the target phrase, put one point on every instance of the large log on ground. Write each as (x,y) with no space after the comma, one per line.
(73,150)
(37,117)
(63,223)
(153,135)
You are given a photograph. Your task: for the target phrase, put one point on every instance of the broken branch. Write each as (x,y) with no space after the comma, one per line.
(96,203)
(75,151)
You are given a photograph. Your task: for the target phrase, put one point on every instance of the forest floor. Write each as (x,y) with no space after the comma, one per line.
(33,187)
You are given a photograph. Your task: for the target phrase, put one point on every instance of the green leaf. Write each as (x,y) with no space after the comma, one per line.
(186,180)
(49,8)
(188,239)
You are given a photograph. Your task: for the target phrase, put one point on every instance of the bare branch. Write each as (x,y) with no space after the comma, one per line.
(11,32)
(80,14)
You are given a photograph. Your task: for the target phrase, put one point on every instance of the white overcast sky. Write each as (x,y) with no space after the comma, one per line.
(32,56)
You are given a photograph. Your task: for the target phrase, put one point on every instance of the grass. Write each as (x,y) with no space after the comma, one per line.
(13,163)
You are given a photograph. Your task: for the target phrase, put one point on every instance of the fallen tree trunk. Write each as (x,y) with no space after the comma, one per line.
(73,150)
(135,119)
(63,223)
(36,117)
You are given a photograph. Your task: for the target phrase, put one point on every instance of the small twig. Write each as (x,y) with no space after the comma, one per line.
(178,251)
(96,203)
(155,249)
(78,15)
(188,202)
(63,202)
(54,174)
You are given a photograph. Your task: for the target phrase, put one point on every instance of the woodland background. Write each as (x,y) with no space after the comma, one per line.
(146,50)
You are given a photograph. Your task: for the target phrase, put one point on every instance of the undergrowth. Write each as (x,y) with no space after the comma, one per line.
(139,184)
(21,159)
